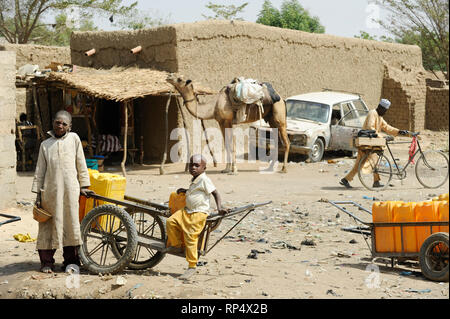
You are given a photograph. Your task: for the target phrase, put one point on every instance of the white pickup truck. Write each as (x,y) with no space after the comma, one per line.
(321,121)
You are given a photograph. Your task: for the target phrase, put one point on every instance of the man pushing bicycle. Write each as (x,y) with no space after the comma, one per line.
(374,121)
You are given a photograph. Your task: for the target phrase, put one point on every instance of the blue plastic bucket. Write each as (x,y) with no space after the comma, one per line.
(92,163)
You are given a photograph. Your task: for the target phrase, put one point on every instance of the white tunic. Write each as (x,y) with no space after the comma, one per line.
(60,172)
(198,194)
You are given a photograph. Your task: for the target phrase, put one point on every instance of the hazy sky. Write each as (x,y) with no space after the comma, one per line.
(340,17)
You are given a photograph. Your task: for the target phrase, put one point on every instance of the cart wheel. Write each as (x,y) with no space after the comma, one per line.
(103,228)
(147,225)
(215,224)
(433,257)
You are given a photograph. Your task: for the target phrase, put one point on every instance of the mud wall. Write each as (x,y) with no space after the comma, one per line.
(214,52)
(7,128)
(437,108)
(113,48)
(406,89)
(33,54)
(37,54)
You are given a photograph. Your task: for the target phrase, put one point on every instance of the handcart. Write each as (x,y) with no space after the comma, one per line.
(10,219)
(131,233)
(432,255)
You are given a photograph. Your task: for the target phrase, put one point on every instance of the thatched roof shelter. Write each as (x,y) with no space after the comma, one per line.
(118,83)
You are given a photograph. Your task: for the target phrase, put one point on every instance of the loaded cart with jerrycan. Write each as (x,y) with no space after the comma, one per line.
(405,231)
(131,233)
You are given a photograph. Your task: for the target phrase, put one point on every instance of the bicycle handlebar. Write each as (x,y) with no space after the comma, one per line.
(390,138)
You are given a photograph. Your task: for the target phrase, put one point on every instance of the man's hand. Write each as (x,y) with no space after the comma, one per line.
(181,190)
(38,200)
(223,211)
(403,132)
(86,192)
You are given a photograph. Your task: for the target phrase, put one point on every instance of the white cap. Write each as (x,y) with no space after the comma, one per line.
(385,103)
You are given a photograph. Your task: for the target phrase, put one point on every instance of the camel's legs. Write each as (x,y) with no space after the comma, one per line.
(284,138)
(233,165)
(287,145)
(227,139)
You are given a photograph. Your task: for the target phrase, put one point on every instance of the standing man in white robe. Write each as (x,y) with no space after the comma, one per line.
(61,176)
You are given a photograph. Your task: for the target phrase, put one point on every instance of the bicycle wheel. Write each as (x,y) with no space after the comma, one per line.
(375,163)
(149,226)
(432,169)
(102,228)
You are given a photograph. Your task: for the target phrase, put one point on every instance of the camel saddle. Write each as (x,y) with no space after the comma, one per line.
(269,97)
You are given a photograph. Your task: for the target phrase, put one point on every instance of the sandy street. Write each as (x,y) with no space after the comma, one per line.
(299,249)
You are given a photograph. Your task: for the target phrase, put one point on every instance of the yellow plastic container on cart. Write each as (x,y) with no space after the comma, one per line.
(177,202)
(442,197)
(104,184)
(443,215)
(403,213)
(426,212)
(384,236)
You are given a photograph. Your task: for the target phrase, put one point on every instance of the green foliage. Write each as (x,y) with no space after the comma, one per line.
(137,19)
(21,20)
(424,23)
(227,12)
(59,33)
(269,15)
(291,16)
(366,36)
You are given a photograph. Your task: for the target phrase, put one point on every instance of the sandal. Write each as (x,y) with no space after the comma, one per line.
(46,270)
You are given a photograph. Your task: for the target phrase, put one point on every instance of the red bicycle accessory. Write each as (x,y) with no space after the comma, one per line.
(412,149)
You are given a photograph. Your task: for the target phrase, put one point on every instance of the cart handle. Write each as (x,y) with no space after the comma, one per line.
(338,203)
(236,210)
(10,220)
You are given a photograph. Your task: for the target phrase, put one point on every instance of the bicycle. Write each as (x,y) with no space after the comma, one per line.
(431,168)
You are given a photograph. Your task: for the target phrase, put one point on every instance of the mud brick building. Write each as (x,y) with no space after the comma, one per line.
(437,108)
(7,128)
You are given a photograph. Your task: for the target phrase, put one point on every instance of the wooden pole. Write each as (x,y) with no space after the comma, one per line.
(125,104)
(161,169)
(37,111)
(186,168)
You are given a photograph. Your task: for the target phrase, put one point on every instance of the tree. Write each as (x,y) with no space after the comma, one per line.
(19,18)
(137,19)
(269,15)
(424,23)
(366,36)
(227,12)
(59,32)
(291,16)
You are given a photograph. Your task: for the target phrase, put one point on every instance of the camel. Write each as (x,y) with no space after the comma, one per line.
(221,110)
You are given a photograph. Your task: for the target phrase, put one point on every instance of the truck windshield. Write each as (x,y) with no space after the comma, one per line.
(308,110)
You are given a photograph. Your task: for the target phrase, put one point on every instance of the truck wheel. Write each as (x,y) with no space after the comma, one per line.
(433,257)
(317,150)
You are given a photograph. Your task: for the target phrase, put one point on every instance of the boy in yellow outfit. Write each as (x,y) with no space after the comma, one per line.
(185,225)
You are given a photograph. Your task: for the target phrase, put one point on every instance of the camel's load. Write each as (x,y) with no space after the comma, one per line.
(243,92)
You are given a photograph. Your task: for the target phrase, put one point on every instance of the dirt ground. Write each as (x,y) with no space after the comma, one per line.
(335,264)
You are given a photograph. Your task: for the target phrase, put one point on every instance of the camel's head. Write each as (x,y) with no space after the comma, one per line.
(179,83)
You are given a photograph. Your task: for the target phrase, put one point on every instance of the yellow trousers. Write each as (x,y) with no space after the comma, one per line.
(366,168)
(183,227)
